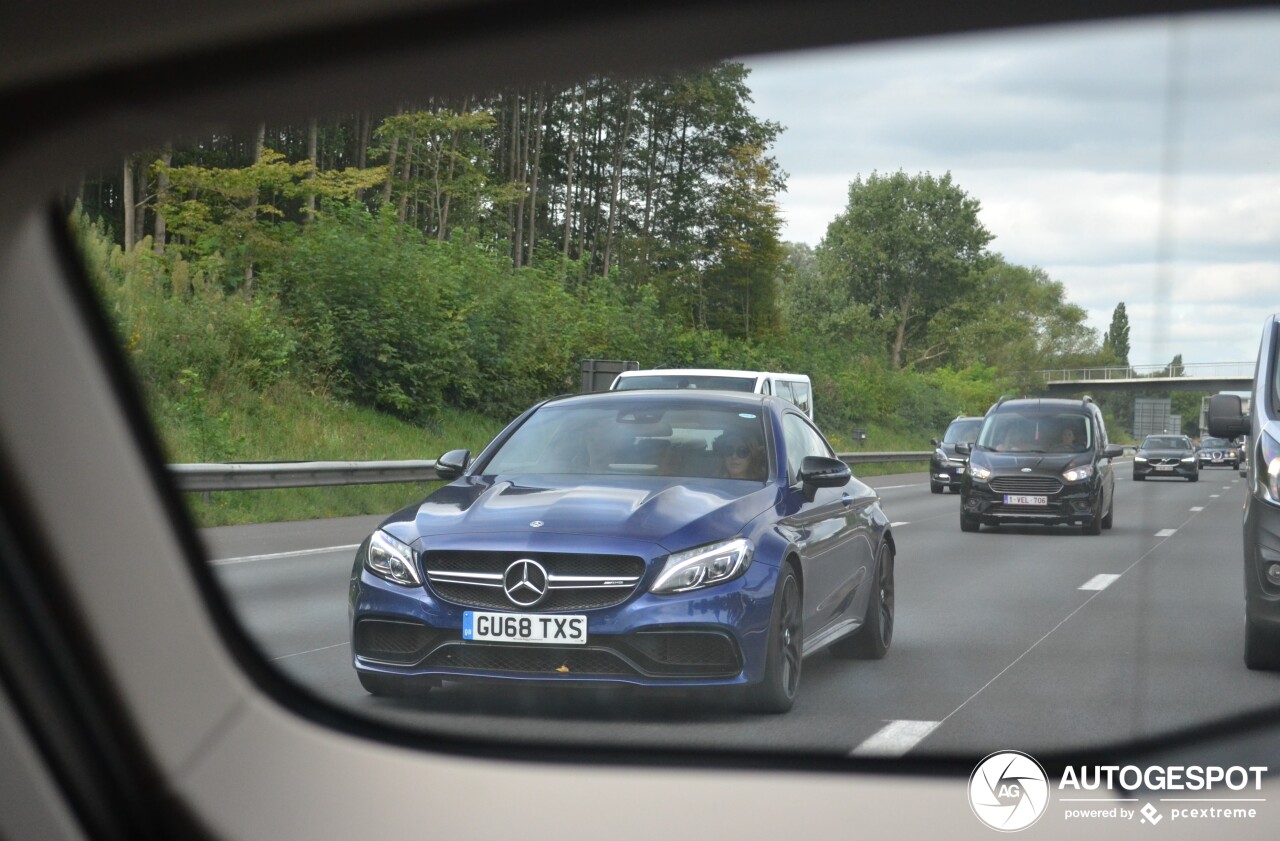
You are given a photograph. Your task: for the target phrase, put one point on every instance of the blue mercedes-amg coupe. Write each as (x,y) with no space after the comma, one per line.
(654,538)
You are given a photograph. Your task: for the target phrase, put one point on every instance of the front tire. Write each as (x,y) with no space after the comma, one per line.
(776,692)
(1261,648)
(873,640)
(969,523)
(934,487)
(1094,526)
(1107,521)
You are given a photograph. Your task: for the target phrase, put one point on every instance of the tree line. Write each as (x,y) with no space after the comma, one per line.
(469,252)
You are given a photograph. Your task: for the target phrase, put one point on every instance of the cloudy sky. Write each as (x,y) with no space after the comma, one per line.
(1136,162)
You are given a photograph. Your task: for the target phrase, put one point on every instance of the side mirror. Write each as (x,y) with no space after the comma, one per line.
(1113,451)
(822,472)
(935,442)
(1226,417)
(451,465)
(964,448)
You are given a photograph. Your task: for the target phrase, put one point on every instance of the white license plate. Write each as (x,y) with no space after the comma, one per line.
(1018,499)
(1164,467)
(554,629)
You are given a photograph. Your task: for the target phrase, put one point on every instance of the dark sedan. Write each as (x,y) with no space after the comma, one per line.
(1166,455)
(1218,452)
(654,538)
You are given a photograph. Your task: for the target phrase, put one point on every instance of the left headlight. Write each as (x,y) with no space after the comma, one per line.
(1078,474)
(391,560)
(704,566)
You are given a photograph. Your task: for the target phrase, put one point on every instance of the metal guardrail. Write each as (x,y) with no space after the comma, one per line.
(309,474)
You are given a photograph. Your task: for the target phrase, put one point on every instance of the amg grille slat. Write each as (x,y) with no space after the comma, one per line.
(456,577)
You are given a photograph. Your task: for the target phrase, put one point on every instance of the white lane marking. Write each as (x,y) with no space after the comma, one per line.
(895,525)
(1049,633)
(895,738)
(1166,532)
(1214,496)
(1099,582)
(297,553)
(898,487)
(312,651)
(1197,508)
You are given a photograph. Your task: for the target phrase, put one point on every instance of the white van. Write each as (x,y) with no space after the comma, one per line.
(793,387)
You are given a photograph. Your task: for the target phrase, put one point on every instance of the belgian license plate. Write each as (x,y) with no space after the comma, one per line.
(1019,499)
(555,629)
(1164,467)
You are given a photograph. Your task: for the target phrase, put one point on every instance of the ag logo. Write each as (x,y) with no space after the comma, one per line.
(1008,791)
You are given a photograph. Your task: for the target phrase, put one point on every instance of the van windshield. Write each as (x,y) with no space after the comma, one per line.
(701,381)
(1036,432)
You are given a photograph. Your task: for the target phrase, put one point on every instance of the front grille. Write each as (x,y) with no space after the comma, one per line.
(1045,485)
(575,582)
(389,641)
(1172,462)
(550,661)
(493,598)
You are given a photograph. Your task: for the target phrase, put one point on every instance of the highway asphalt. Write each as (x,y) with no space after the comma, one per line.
(1035,638)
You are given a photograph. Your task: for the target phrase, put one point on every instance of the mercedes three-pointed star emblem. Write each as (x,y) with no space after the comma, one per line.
(525,582)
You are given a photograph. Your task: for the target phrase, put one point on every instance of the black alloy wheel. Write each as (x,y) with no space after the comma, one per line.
(776,693)
(873,640)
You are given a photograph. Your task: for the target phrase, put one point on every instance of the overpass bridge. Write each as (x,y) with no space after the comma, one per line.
(1202,376)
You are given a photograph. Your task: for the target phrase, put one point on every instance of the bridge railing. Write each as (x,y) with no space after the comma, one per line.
(1134,372)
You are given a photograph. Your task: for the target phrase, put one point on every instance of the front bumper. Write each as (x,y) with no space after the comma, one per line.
(711,637)
(1166,468)
(947,474)
(1261,550)
(1076,503)
(1219,459)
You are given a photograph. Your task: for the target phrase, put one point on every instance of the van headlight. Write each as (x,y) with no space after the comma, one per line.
(1078,474)
(1269,449)
(704,566)
(979,472)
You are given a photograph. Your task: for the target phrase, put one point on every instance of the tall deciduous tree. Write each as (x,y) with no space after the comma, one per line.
(1116,339)
(908,247)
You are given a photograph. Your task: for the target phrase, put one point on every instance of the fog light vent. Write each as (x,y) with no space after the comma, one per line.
(1273,574)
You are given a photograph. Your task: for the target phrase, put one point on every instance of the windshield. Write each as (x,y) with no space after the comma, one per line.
(963,431)
(1214,442)
(653,439)
(702,381)
(1166,444)
(1036,431)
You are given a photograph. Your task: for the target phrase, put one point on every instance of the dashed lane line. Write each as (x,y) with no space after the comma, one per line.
(895,739)
(1100,582)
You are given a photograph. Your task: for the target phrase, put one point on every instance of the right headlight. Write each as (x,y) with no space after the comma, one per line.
(1141,459)
(704,566)
(979,472)
(391,560)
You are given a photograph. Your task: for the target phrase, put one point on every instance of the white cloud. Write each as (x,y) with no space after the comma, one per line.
(1066,137)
